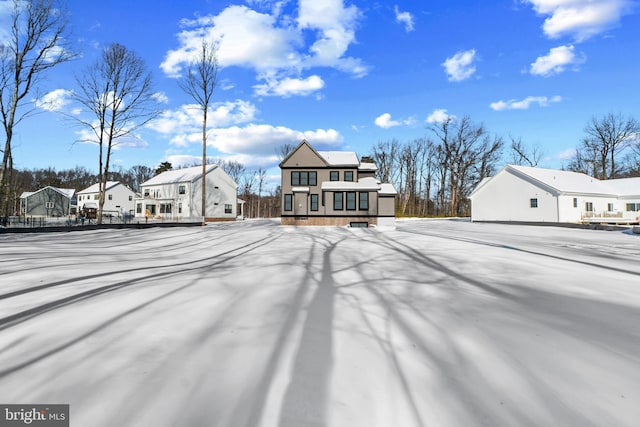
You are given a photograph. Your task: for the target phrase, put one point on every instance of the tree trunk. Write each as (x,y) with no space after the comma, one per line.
(204,163)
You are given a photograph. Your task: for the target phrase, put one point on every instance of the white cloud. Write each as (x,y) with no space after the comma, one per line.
(404,18)
(335,27)
(524,104)
(384,121)
(290,86)
(271,44)
(246,38)
(460,66)
(185,123)
(134,140)
(55,100)
(161,97)
(556,61)
(580,19)
(567,154)
(439,116)
(265,139)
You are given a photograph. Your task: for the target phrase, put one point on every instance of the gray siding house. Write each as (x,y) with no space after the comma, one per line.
(333,188)
(48,202)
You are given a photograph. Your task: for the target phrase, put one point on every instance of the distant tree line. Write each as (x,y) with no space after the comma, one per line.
(435,175)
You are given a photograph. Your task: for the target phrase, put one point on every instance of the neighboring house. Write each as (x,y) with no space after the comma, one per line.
(48,201)
(333,188)
(177,194)
(118,199)
(530,194)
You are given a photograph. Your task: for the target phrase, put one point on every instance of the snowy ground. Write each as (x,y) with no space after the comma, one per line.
(438,323)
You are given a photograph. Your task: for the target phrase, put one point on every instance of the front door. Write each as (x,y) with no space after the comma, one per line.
(300,204)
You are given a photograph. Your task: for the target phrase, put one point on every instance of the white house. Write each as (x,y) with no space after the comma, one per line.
(118,198)
(177,194)
(530,194)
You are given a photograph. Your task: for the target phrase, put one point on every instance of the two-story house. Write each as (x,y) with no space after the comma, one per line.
(177,194)
(118,199)
(333,188)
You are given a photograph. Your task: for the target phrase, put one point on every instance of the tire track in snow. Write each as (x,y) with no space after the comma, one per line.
(527,251)
(193,265)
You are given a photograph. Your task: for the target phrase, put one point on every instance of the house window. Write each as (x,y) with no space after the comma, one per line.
(138,207)
(334,176)
(288,202)
(588,206)
(633,207)
(48,205)
(110,196)
(227,209)
(314,202)
(304,178)
(179,208)
(348,176)
(165,208)
(534,203)
(95,197)
(351,201)
(151,209)
(364,201)
(146,192)
(610,207)
(181,189)
(575,202)
(130,198)
(337,201)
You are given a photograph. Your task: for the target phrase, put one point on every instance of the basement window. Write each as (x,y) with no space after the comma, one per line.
(533,203)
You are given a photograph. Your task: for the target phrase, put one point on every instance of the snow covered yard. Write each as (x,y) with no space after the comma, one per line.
(437,323)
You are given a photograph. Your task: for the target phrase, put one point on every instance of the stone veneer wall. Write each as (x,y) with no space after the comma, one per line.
(336,221)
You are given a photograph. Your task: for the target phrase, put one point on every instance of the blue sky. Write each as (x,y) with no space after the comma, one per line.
(347,74)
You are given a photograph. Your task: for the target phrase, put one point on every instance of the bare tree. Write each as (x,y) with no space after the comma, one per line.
(523,155)
(140,174)
(233,168)
(261,176)
(200,83)
(117,92)
(37,42)
(284,150)
(468,154)
(608,136)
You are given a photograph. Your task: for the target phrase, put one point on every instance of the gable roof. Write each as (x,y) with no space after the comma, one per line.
(66,192)
(95,187)
(340,158)
(562,181)
(567,182)
(625,186)
(305,144)
(178,176)
(329,158)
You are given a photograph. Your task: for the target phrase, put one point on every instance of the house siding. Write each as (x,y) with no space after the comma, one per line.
(36,204)
(221,192)
(304,160)
(513,201)
(562,196)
